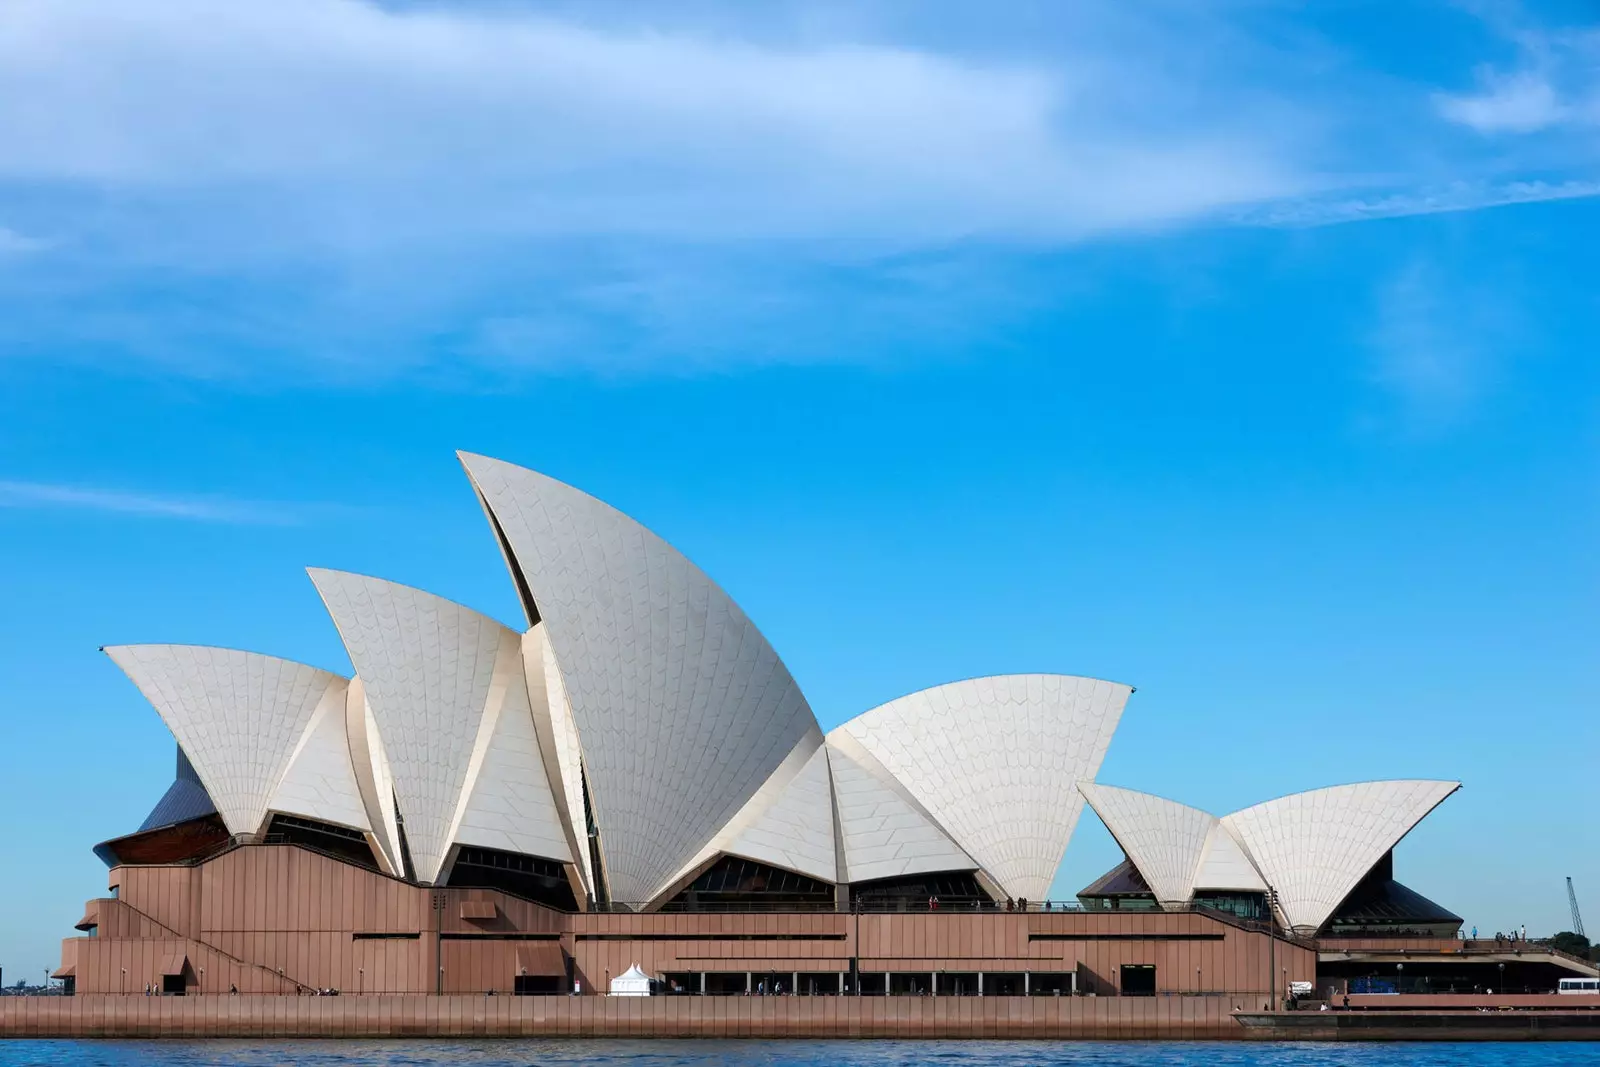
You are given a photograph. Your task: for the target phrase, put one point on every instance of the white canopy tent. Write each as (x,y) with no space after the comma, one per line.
(631,983)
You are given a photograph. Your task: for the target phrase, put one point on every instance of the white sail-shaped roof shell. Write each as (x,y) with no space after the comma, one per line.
(996,760)
(683,710)
(1165,840)
(320,781)
(1313,848)
(509,804)
(883,831)
(1224,867)
(796,829)
(788,823)
(238,716)
(437,676)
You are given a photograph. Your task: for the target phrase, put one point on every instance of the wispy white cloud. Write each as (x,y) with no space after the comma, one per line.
(509,120)
(1518,103)
(37,495)
(1461,196)
(368,188)
(1555,83)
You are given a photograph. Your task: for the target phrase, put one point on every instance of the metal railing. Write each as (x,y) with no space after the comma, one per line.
(866,906)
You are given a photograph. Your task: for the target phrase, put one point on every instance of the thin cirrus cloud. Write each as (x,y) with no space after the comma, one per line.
(47,495)
(509,120)
(1458,196)
(221,187)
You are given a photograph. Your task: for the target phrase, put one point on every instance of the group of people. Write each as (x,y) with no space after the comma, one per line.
(1011,904)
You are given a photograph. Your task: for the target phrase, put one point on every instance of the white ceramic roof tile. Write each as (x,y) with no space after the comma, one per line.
(1165,840)
(237,715)
(996,761)
(509,804)
(683,710)
(1224,865)
(427,664)
(1313,848)
(885,832)
(321,780)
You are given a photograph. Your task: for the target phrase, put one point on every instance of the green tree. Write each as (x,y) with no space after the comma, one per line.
(1569,942)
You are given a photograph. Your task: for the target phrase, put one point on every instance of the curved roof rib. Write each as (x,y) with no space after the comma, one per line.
(996,761)
(1314,847)
(373,778)
(438,676)
(237,715)
(558,743)
(683,709)
(1165,840)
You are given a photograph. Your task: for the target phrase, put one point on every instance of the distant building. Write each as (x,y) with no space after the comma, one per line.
(635,780)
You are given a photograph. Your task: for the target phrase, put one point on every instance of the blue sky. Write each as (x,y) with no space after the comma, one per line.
(1245,352)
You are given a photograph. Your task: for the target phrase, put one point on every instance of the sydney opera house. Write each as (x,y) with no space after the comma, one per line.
(633,782)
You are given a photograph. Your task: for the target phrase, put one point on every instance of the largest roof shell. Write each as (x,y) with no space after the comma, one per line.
(683,709)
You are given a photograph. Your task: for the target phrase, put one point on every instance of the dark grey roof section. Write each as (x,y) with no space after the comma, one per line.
(1123,880)
(184,799)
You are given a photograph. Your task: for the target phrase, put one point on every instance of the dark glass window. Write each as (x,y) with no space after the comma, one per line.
(951,890)
(734,884)
(1244,905)
(337,841)
(529,877)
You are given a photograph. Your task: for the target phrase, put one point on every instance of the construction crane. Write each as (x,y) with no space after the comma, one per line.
(1577,920)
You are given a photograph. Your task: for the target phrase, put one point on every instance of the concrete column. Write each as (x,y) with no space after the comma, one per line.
(980,983)
(749,986)
(794,983)
(1027,983)
(702,983)
(933,991)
